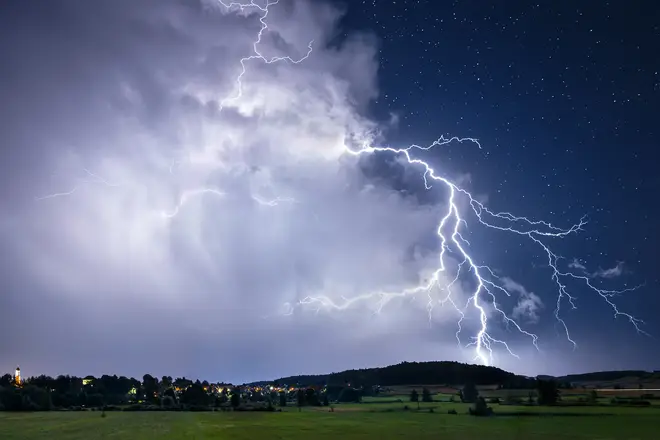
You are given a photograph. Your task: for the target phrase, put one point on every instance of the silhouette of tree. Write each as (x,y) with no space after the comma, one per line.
(426,395)
(150,388)
(311,397)
(349,394)
(548,392)
(480,408)
(6,380)
(469,393)
(166,382)
(195,395)
(235,399)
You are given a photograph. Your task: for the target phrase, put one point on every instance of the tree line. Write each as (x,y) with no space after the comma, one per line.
(43,393)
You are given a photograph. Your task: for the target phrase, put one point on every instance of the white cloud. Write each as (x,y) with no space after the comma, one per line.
(612,272)
(141,109)
(529,304)
(575,264)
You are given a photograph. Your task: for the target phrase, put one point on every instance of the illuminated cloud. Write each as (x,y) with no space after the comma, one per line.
(529,304)
(168,213)
(612,272)
(575,264)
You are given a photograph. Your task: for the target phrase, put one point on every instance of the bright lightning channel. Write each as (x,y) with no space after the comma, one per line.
(487,283)
(484,277)
(256,54)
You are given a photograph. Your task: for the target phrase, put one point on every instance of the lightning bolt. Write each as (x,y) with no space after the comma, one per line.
(486,281)
(187,196)
(257,55)
(487,285)
(92,179)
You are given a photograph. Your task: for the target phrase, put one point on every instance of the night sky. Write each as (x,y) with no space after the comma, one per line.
(564,97)
(156,218)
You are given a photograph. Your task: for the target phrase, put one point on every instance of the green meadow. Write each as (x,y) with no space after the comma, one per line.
(377,419)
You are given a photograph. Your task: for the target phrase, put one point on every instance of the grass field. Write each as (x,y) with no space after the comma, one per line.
(377,420)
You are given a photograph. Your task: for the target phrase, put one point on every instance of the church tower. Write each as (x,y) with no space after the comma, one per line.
(17,376)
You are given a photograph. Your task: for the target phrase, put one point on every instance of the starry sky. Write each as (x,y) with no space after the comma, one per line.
(563,95)
(162,217)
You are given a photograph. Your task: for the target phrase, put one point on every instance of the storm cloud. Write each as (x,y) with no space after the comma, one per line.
(160,215)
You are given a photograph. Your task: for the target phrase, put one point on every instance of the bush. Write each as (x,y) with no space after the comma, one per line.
(469,393)
(168,402)
(480,408)
(452,411)
(426,395)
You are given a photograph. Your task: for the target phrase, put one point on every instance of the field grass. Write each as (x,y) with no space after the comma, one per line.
(377,420)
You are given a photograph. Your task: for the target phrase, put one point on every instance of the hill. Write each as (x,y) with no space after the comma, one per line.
(415,373)
(607,376)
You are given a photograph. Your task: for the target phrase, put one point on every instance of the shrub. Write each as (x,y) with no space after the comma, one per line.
(469,393)
(480,408)
(168,402)
(426,395)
